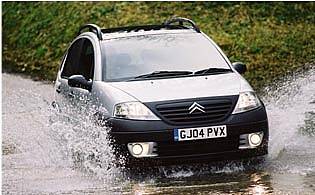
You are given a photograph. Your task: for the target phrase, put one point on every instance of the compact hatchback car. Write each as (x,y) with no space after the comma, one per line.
(167,91)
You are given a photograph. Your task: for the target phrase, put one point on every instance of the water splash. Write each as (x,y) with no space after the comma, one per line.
(288,104)
(42,143)
(85,141)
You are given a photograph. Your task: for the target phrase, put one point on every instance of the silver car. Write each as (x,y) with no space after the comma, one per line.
(168,92)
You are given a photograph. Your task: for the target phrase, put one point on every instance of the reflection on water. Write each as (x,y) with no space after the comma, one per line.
(253,182)
(260,183)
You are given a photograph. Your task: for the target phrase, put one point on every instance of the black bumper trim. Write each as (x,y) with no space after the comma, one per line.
(127,131)
(204,158)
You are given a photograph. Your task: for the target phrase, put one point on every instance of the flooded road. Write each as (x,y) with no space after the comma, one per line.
(38,147)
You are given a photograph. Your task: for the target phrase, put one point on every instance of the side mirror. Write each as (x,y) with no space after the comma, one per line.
(80,82)
(239,67)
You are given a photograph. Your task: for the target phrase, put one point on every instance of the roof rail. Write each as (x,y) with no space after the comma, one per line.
(169,24)
(143,27)
(181,21)
(92,28)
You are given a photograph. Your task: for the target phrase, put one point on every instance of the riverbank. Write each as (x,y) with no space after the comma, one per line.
(274,39)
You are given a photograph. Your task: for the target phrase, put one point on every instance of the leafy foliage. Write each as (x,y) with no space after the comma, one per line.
(273,39)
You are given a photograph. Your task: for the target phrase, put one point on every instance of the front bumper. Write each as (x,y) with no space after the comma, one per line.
(172,152)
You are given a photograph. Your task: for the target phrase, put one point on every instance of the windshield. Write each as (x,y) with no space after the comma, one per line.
(132,56)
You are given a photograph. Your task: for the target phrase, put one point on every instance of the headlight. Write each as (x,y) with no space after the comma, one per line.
(133,110)
(246,101)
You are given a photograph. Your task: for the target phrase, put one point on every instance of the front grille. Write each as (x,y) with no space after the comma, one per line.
(196,147)
(178,113)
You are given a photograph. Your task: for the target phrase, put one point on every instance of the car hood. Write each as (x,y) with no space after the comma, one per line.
(182,88)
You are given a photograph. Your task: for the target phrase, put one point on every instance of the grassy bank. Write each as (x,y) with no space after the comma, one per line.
(273,39)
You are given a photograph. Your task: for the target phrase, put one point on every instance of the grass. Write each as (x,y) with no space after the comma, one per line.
(273,38)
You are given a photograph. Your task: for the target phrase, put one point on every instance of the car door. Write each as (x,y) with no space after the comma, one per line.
(79,97)
(68,68)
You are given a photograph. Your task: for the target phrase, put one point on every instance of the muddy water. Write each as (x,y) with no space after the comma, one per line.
(39,147)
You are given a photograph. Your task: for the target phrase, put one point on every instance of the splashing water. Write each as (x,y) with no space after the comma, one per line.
(50,152)
(291,119)
(84,140)
(287,108)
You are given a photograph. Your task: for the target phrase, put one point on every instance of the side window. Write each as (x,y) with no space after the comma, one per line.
(87,60)
(72,61)
(80,60)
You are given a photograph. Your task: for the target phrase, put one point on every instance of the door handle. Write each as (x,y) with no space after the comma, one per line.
(58,90)
(70,94)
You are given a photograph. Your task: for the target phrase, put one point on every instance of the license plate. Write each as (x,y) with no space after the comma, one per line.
(200,133)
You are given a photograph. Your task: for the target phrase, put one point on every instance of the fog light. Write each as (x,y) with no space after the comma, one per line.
(142,149)
(251,140)
(137,149)
(254,139)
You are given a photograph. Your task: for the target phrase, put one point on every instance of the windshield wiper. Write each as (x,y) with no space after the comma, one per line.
(212,70)
(163,74)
